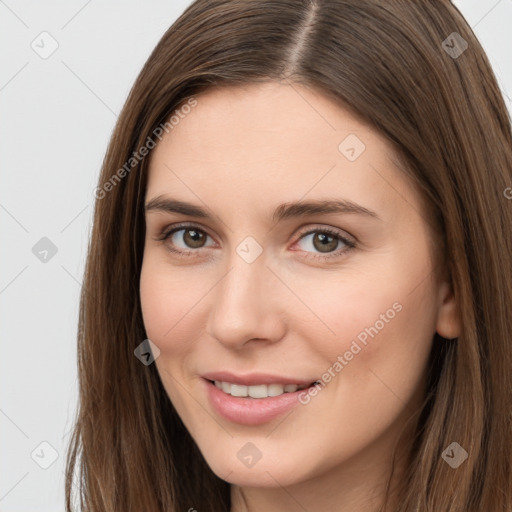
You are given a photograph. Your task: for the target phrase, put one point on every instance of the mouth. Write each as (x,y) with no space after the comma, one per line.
(253,404)
(258,391)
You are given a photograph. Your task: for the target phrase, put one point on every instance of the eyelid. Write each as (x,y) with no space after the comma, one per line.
(328,229)
(349,240)
(166,232)
(301,231)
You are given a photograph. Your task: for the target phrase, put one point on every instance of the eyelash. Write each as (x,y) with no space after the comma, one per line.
(165,235)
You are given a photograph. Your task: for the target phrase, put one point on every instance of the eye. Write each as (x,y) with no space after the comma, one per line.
(184,239)
(187,240)
(327,242)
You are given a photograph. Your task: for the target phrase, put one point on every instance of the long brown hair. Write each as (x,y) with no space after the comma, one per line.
(403,67)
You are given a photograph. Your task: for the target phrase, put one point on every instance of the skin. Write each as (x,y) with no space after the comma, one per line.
(239,153)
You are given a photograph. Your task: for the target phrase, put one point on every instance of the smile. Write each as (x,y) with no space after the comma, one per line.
(252,404)
(258,390)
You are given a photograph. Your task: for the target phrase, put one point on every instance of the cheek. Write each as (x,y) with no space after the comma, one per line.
(384,356)
(155,305)
(373,369)
(167,301)
(373,333)
(337,314)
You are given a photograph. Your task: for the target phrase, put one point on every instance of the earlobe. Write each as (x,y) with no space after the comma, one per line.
(448,318)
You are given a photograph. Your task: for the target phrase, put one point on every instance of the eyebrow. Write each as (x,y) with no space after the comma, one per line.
(282,212)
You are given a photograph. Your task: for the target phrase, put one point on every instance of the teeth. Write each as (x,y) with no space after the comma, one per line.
(275,389)
(237,390)
(258,391)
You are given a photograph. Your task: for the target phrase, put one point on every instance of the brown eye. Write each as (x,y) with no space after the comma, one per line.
(322,243)
(185,239)
(325,241)
(193,238)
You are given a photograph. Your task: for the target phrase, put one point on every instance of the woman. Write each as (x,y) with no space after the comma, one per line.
(298,288)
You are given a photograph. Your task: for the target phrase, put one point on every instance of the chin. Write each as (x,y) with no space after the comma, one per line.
(271,471)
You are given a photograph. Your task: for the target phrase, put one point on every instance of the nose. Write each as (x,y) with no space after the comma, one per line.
(247,306)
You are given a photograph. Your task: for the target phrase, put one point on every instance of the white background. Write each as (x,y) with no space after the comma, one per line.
(56,117)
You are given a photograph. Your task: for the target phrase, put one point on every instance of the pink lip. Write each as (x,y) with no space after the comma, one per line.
(250,411)
(254,379)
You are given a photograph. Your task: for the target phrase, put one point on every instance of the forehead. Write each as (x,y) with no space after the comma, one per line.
(270,142)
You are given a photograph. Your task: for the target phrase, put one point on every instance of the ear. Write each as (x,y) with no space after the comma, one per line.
(448,319)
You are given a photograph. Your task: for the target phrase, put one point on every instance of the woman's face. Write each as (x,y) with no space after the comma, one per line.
(270,287)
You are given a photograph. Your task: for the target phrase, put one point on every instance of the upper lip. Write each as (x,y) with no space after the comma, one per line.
(253,379)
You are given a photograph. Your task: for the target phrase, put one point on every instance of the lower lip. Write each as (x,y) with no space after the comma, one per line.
(251,411)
